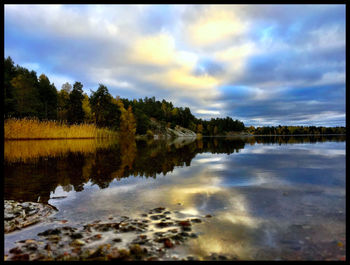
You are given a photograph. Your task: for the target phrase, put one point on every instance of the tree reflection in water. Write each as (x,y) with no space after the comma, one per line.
(36,168)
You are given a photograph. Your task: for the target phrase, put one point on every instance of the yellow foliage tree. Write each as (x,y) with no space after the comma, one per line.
(88,117)
(199,128)
(127,120)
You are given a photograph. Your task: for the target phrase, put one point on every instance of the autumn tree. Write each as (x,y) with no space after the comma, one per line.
(63,102)
(127,120)
(88,117)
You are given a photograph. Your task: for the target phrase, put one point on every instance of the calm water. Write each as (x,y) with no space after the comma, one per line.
(270,197)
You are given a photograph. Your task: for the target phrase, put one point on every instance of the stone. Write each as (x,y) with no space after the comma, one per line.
(167,243)
(78,242)
(76,235)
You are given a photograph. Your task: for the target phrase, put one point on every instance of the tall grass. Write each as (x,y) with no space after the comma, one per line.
(32,150)
(29,128)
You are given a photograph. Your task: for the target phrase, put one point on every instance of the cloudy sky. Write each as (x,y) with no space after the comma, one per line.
(262,64)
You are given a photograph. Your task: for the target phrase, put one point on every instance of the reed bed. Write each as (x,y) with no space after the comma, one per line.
(29,128)
(32,150)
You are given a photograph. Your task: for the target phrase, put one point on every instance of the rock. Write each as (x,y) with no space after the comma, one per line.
(140,241)
(78,242)
(50,232)
(29,241)
(8,216)
(31,246)
(21,257)
(208,216)
(68,228)
(186,228)
(193,235)
(222,257)
(167,243)
(178,237)
(159,233)
(157,217)
(16,250)
(136,251)
(113,254)
(184,223)
(164,224)
(76,235)
(47,247)
(95,237)
(157,210)
(32,212)
(54,238)
(184,234)
(68,243)
(25,204)
(124,254)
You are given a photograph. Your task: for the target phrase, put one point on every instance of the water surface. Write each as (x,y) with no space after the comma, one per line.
(269,197)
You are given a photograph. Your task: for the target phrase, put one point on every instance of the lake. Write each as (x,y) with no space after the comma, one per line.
(269,198)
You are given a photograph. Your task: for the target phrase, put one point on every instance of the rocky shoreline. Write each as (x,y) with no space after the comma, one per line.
(18,215)
(150,237)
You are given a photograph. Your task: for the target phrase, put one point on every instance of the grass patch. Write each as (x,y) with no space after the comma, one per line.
(31,128)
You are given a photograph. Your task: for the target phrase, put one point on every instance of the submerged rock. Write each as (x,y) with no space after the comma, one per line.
(146,240)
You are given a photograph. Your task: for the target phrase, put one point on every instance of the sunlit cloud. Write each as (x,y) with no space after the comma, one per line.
(214,25)
(157,50)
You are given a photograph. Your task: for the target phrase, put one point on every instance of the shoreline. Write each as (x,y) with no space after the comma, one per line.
(157,137)
(151,236)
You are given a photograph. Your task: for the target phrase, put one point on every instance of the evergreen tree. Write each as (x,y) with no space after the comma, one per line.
(9,98)
(48,98)
(25,94)
(104,108)
(75,109)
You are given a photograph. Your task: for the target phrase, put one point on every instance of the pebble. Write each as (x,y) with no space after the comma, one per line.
(78,242)
(72,243)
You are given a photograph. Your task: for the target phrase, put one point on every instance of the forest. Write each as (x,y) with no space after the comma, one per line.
(28,96)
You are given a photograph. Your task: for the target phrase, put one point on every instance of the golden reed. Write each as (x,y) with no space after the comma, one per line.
(32,150)
(31,128)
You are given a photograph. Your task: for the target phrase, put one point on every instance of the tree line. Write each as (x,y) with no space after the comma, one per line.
(295,130)
(26,95)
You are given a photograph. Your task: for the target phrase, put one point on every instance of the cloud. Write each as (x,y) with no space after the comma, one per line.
(215,24)
(154,50)
(273,64)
